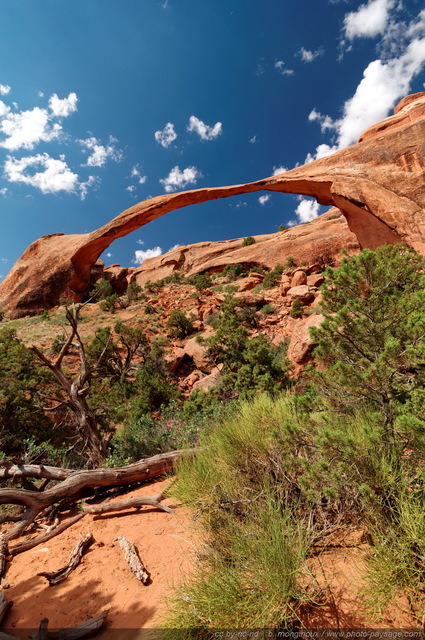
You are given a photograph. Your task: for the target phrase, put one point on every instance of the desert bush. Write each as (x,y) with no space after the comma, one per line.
(179,324)
(248,241)
(297,309)
(201,281)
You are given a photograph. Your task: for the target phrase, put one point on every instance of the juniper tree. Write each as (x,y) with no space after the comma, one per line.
(372,339)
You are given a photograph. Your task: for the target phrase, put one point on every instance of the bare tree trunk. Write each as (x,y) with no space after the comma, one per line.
(77,481)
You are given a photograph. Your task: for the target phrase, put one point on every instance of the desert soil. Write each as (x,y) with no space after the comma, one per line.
(103,580)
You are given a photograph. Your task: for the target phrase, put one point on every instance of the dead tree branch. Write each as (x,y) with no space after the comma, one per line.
(132,558)
(74,633)
(78,481)
(55,577)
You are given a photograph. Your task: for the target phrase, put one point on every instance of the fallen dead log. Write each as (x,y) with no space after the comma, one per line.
(5,605)
(34,542)
(11,471)
(81,631)
(55,577)
(133,560)
(121,505)
(80,480)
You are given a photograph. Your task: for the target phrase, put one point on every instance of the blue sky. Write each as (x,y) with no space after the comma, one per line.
(104,103)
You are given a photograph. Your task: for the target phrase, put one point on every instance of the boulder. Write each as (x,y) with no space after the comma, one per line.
(302,344)
(299,278)
(198,353)
(303,292)
(207,382)
(247,284)
(315,280)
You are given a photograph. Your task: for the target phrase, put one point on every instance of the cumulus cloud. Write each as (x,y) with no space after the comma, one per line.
(384,82)
(25,129)
(307,210)
(141,255)
(130,188)
(203,130)
(281,67)
(4,191)
(99,153)
(309,56)
(49,175)
(369,20)
(166,136)
(253,140)
(62,108)
(278,170)
(177,179)
(55,175)
(4,89)
(263,199)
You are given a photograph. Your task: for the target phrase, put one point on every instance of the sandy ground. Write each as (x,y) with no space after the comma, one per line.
(103,580)
(167,545)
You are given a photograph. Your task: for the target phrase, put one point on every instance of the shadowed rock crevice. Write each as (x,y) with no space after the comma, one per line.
(378,184)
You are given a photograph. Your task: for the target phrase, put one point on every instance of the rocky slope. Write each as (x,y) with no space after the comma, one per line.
(378,185)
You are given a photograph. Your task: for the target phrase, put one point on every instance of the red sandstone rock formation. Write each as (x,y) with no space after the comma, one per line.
(378,184)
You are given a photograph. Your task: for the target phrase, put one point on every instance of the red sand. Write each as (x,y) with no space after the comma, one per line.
(103,580)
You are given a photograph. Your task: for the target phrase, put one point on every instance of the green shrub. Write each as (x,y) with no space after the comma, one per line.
(108,303)
(272,278)
(268,309)
(101,290)
(233,271)
(297,309)
(290,262)
(179,324)
(201,281)
(248,241)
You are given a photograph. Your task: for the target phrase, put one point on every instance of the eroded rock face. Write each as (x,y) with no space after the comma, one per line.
(378,184)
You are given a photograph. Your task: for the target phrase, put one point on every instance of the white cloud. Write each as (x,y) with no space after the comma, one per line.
(140,242)
(140,255)
(326,122)
(54,176)
(177,179)
(307,210)
(101,153)
(84,187)
(263,199)
(166,136)
(4,191)
(253,140)
(4,109)
(384,82)
(109,254)
(309,56)
(40,94)
(4,89)
(130,188)
(27,128)
(136,173)
(62,108)
(203,130)
(278,170)
(175,246)
(369,20)
(280,65)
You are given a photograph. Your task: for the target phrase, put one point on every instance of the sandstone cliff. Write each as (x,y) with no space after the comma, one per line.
(378,185)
